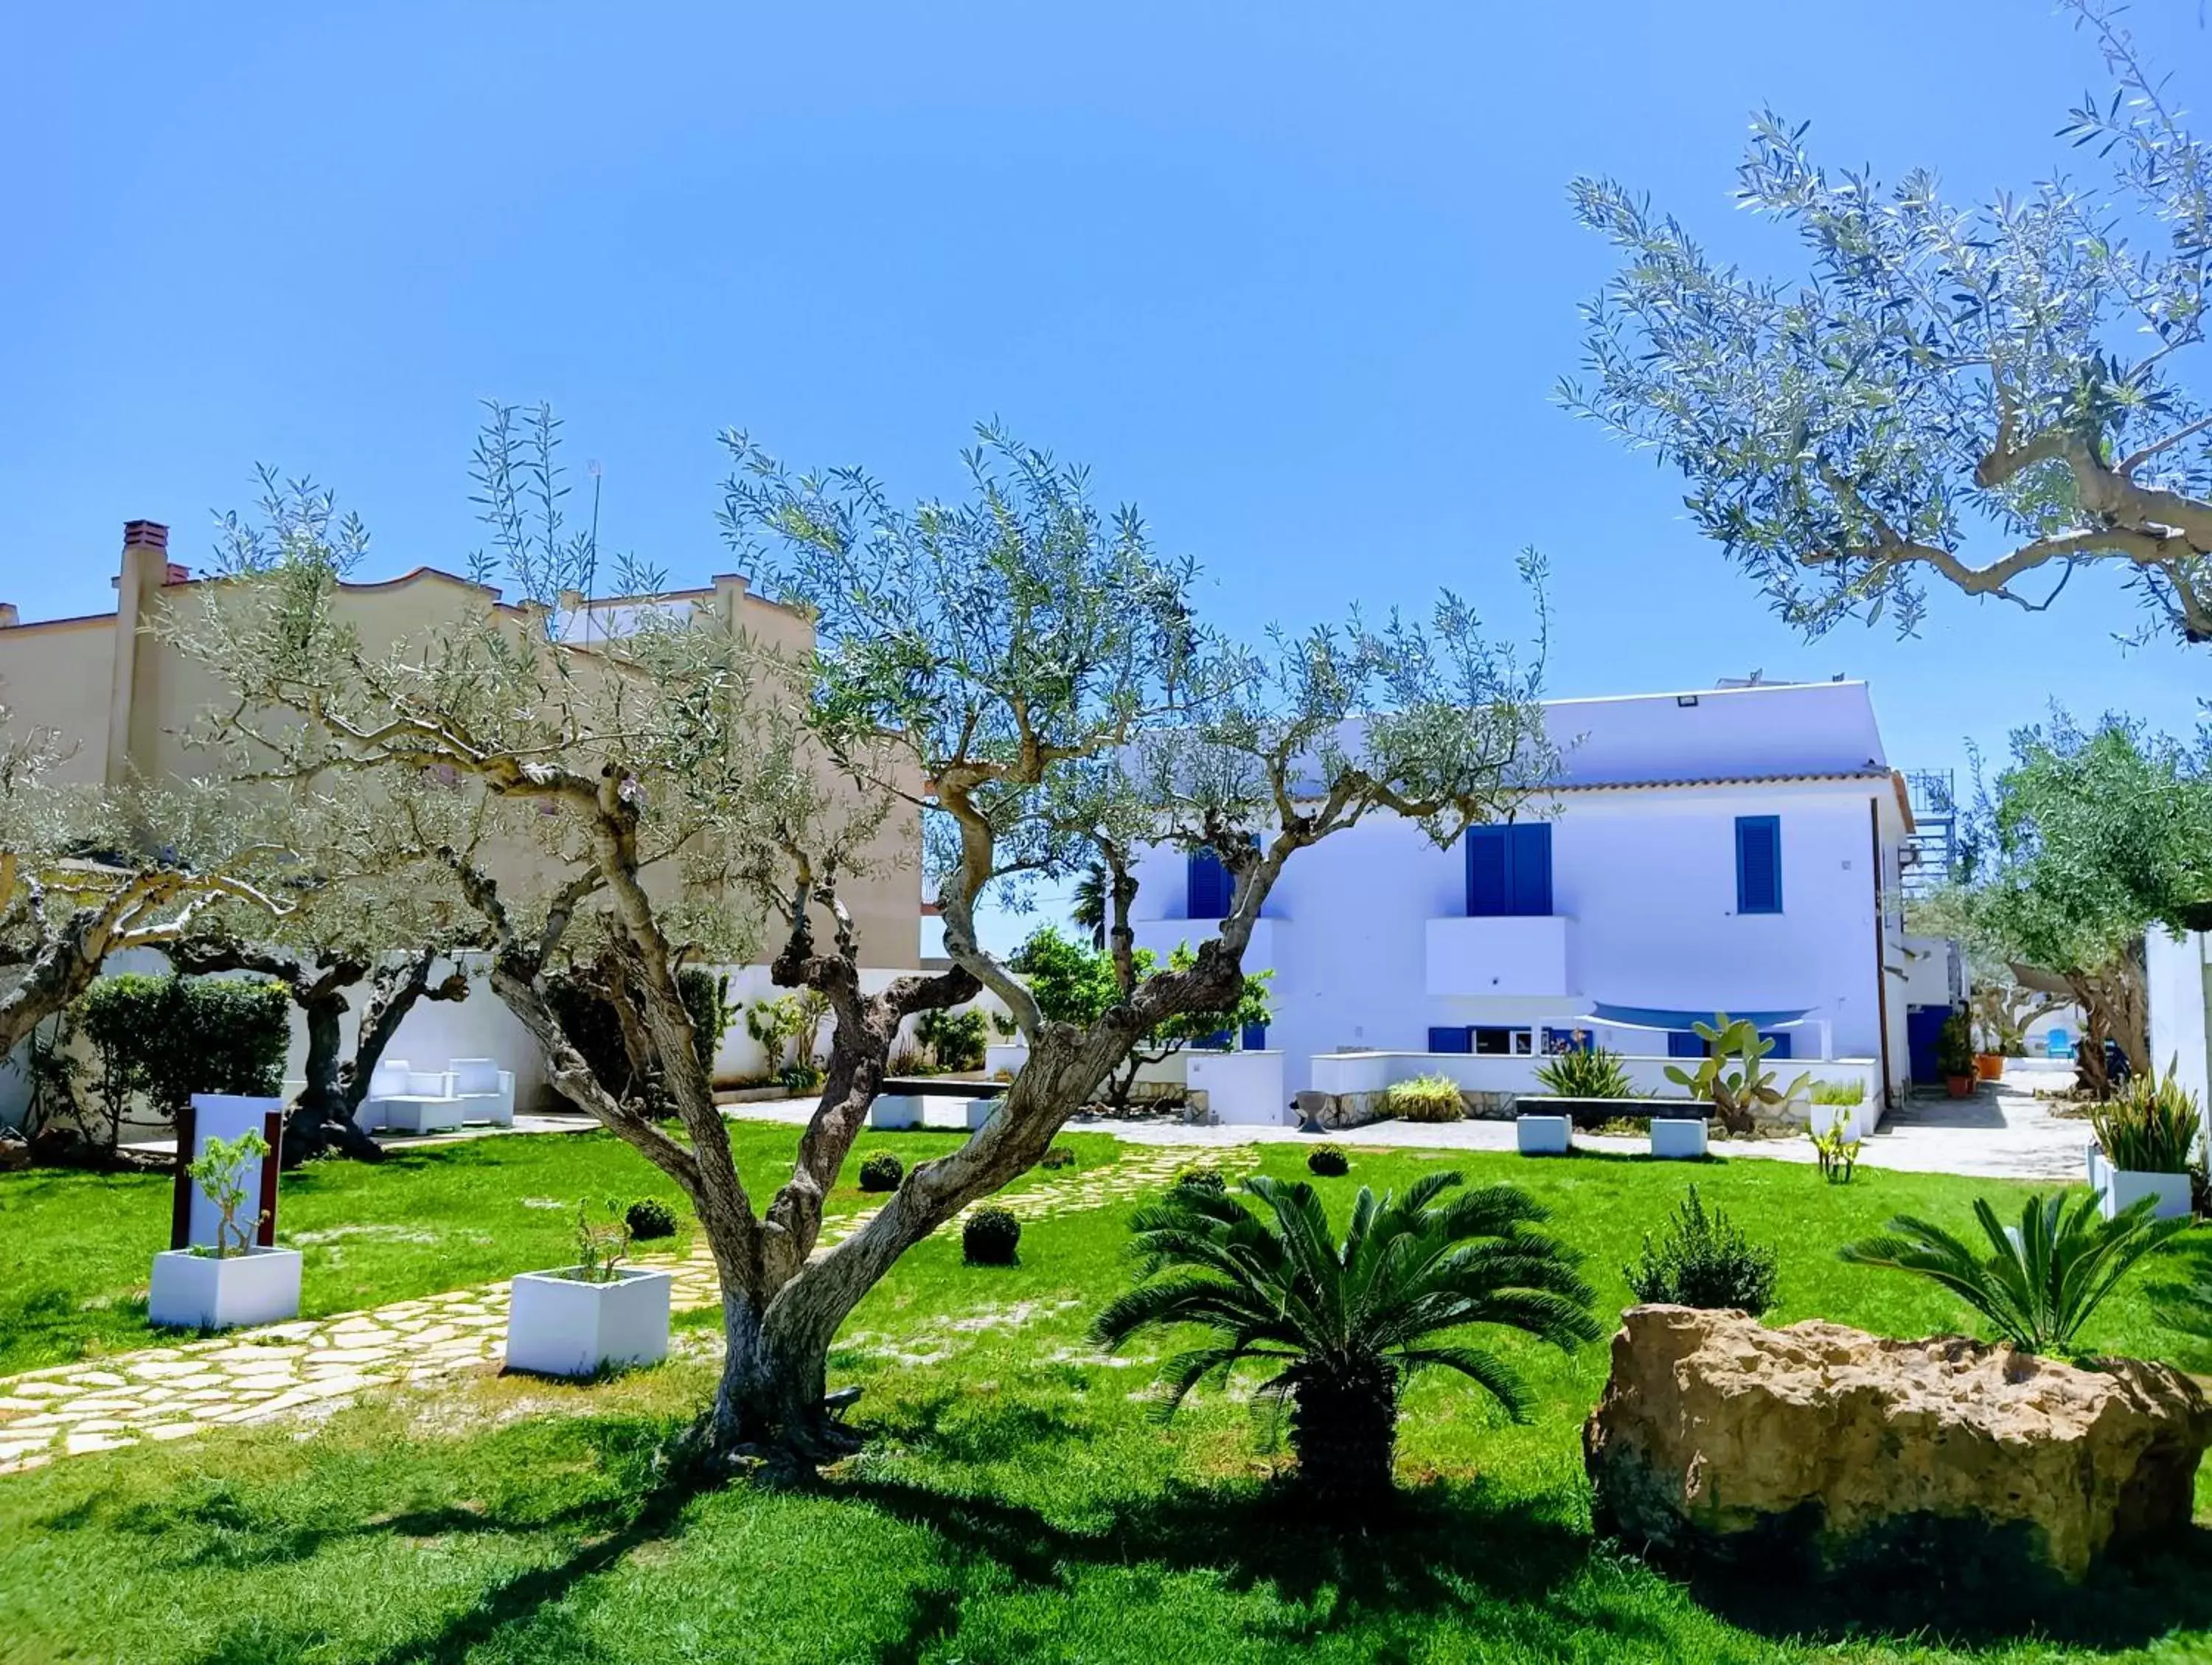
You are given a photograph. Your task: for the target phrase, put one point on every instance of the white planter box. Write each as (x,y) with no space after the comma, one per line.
(2124,1187)
(2092,1158)
(200,1292)
(556,1325)
(1544,1135)
(894,1112)
(978,1111)
(1677,1140)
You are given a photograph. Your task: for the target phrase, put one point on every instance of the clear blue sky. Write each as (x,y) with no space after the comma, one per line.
(1298,280)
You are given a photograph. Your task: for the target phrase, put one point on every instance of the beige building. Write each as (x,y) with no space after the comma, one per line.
(124,698)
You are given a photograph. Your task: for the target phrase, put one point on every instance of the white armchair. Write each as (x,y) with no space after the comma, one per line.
(424,1101)
(486,1092)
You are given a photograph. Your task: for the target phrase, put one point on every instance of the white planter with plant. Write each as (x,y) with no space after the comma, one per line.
(2145,1137)
(232,1282)
(578,1320)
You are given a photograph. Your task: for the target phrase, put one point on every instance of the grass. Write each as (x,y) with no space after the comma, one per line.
(1019,1501)
(75,1248)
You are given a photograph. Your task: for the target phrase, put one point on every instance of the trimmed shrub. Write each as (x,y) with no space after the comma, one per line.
(649,1217)
(991,1238)
(882,1172)
(1427,1098)
(169,1037)
(1058,1156)
(1328,1161)
(1195,1178)
(1702,1260)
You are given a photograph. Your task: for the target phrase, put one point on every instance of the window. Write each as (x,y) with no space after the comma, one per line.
(1497,1042)
(1759,864)
(1207,888)
(1458,1039)
(1509,870)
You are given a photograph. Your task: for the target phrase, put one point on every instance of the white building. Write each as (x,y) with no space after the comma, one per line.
(1733,849)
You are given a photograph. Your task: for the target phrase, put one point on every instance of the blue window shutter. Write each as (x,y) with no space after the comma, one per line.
(1530,842)
(1489,870)
(1685,1043)
(1759,864)
(1206,888)
(1217,1041)
(1256,1037)
(1460,1039)
(1781,1039)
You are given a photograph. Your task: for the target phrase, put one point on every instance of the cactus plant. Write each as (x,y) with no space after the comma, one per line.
(1731,1076)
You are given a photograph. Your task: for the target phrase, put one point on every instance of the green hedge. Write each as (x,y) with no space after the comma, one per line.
(169,1037)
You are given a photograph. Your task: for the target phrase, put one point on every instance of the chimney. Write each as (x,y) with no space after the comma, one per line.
(146,568)
(147,534)
(8,616)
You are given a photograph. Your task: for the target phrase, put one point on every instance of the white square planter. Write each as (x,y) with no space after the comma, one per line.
(2092,1158)
(894,1112)
(1544,1135)
(2124,1187)
(979,1111)
(556,1325)
(201,1292)
(1677,1140)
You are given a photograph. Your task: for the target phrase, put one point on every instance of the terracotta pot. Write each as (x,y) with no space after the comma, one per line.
(1989,1066)
(1958,1086)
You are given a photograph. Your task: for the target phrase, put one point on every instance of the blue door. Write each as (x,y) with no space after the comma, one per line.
(1254,1038)
(1207,887)
(1922,1023)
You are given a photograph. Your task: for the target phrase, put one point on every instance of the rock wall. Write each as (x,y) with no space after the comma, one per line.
(1828,1450)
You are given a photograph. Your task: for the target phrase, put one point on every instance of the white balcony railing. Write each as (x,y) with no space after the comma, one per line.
(1520,954)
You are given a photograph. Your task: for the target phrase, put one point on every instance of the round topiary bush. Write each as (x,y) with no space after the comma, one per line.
(1058,1156)
(882,1172)
(990,1237)
(648,1218)
(1200,1179)
(1328,1161)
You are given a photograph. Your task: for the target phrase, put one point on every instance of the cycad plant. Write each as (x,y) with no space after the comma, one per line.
(2041,1279)
(1343,1325)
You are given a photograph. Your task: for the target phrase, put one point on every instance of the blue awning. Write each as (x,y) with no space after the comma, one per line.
(1654,1017)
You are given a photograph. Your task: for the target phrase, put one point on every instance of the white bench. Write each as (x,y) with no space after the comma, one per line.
(1678,1139)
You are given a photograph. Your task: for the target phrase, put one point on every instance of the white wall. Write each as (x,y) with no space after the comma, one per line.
(1372,1072)
(1647,878)
(2180,997)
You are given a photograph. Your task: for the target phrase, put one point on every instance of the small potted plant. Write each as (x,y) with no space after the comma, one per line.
(1954,1056)
(234,1280)
(578,1320)
(1988,1061)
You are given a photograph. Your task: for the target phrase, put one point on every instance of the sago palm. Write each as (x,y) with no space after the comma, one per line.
(2041,1279)
(1344,1324)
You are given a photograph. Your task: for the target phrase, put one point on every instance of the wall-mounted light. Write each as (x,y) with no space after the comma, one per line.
(1686,700)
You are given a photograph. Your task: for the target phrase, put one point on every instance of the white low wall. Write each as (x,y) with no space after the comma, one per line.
(1340,1072)
(1173,1071)
(1242,1089)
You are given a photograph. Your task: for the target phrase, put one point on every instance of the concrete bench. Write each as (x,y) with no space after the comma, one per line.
(1678,1139)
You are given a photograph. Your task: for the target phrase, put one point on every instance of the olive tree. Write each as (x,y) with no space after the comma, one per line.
(1994,396)
(87,872)
(1020,675)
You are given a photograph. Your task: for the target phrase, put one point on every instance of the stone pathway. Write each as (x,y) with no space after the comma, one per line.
(311,1366)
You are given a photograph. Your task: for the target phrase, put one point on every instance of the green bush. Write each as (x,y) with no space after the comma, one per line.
(1840,1093)
(648,1218)
(955,1039)
(1594,1074)
(1704,1261)
(169,1037)
(882,1172)
(990,1237)
(1328,1161)
(2150,1126)
(1058,1156)
(1195,1178)
(1427,1098)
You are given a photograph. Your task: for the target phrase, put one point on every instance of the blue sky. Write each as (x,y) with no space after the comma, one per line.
(1298,280)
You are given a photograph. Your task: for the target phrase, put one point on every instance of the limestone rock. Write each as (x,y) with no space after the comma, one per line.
(1828,1450)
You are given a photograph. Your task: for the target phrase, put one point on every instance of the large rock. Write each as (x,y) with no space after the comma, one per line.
(1828,1450)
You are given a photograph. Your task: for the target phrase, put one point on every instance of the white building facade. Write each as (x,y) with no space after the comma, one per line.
(1734,849)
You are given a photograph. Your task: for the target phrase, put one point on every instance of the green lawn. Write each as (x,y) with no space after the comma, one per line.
(1018,1502)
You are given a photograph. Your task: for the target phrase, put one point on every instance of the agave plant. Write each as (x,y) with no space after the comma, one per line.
(1732,1079)
(1575,1073)
(1344,1324)
(2150,1128)
(2041,1279)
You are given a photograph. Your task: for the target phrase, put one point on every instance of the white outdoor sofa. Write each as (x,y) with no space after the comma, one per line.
(410,1101)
